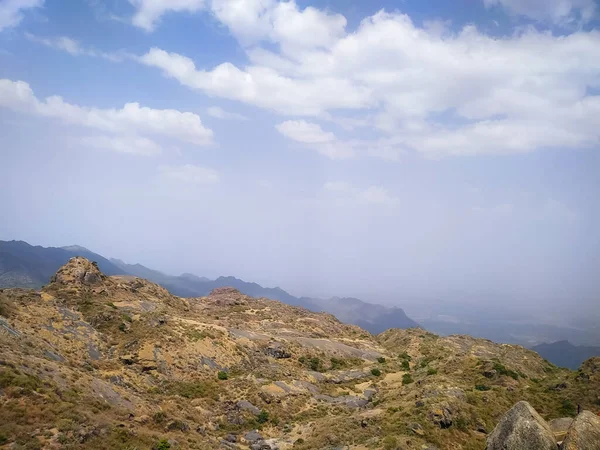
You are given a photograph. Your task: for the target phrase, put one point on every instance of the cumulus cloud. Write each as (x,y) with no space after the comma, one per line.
(132,119)
(378,195)
(123,144)
(220,113)
(149,12)
(11,11)
(439,93)
(417,88)
(554,11)
(191,174)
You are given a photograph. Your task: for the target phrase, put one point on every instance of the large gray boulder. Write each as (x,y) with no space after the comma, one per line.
(521,428)
(584,433)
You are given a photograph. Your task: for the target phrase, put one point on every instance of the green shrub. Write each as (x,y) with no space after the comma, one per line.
(405,365)
(432,371)
(568,408)
(316,365)
(222,375)
(376,372)
(405,356)
(159,417)
(407,379)
(163,444)
(381,360)
(263,416)
(3,439)
(482,387)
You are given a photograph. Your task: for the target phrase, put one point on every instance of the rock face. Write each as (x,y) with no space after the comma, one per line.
(521,428)
(584,433)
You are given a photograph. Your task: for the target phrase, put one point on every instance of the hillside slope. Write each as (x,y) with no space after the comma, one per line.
(118,362)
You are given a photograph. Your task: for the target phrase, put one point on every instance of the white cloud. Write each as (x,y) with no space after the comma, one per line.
(554,11)
(261,86)
(284,23)
(425,90)
(123,144)
(417,89)
(132,119)
(189,173)
(372,195)
(302,131)
(314,136)
(74,48)
(149,12)
(11,11)
(63,43)
(220,113)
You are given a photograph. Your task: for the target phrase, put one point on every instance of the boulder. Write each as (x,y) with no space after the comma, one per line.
(253,436)
(584,433)
(521,428)
(245,405)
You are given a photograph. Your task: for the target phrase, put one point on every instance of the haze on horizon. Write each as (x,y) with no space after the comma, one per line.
(440,151)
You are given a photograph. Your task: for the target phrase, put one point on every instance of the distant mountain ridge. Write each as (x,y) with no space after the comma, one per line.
(565,354)
(372,317)
(24,265)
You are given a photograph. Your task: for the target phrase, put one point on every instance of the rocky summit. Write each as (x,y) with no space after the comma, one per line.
(99,362)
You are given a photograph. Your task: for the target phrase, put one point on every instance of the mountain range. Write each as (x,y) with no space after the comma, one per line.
(24,265)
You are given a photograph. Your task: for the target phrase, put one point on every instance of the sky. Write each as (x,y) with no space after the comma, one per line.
(390,150)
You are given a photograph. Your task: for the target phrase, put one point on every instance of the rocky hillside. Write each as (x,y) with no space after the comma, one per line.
(98,362)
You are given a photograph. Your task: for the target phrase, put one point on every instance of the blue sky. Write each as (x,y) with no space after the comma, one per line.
(390,150)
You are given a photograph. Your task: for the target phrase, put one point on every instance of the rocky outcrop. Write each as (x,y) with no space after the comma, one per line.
(584,433)
(521,428)
(78,271)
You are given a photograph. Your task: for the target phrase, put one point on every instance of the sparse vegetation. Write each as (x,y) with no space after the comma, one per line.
(407,379)
(432,371)
(502,370)
(390,443)
(381,360)
(222,375)
(482,387)
(376,372)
